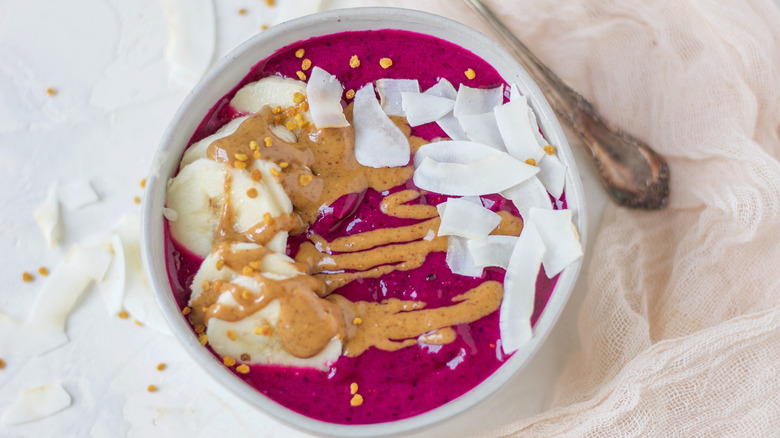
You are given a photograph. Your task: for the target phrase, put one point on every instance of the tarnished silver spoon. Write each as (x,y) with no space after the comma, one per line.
(634,175)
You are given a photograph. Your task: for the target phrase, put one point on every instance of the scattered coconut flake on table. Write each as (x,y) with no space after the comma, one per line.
(490,175)
(378,141)
(77,194)
(390,94)
(459,258)
(466,219)
(529,193)
(21,339)
(92,261)
(557,231)
(552,174)
(492,250)
(423,108)
(60,292)
(191,39)
(271,90)
(516,130)
(47,215)
(36,403)
(477,100)
(514,319)
(324,94)
(482,128)
(112,286)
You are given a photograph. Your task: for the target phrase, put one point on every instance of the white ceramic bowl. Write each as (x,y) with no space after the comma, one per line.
(223,77)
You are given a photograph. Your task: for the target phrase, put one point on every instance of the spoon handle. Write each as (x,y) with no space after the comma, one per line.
(633,174)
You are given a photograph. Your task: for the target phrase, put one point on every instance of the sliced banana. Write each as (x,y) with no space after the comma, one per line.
(272,91)
(197,194)
(198,149)
(261,348)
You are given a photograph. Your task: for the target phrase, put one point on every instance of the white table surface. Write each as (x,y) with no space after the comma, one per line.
(106,60)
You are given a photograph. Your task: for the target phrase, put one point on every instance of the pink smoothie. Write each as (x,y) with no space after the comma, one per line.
(399,384)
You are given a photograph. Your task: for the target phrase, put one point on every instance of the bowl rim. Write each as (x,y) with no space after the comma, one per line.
(172,147)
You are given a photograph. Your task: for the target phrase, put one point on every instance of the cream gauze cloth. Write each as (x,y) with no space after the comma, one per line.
(680,328)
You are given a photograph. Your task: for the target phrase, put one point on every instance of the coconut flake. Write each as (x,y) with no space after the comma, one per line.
(443,88)
(22,339)
(378,141)
(459,258)
(93,261)
(529,193)
(191,38)
(482,128)
(466,219)
(552,173)
(47,215)
(60,292)
(514,92)
(451,126)
(112,286)
(516,130)
(560,237)
(390,94)
(423,108)
(514,320)
(489,175)
(477,100)
(492,250)
(460,152)
(37,402)
(324,94)
(77,194)
(535,124)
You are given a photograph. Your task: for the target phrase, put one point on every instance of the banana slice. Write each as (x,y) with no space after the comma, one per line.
(198,149)
(261,348)
(197,194)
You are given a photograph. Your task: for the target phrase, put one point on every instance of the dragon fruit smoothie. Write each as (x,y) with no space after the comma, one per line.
(417,378)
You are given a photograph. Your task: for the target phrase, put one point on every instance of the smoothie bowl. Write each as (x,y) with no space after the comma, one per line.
(364,222)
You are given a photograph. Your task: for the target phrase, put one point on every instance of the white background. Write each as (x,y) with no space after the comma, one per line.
(106,59)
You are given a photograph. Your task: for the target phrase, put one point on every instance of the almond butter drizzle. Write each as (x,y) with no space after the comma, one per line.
(307,321)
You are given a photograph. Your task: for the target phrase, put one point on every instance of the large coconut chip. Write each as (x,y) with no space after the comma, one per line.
(324,94)
(460,152)
(477,100)
(516,130)
(492,250)
(560,237)
(459,258)
(378,141)
(482,128)
(423,108)
(553,175)
(528,194)
(390,94)
(466,219)
(489,175)
(36,403)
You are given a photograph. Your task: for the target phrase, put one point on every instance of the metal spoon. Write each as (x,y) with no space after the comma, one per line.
(634,175)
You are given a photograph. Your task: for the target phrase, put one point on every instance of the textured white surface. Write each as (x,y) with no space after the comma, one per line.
(106,60)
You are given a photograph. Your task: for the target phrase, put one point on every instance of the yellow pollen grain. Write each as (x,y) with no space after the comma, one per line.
(230,334)
(256,154)
(299,53)
(256,175)
(143,183)
(186,310)
(298,97)
(245,294)
(267,330)
(239,165)
(2,364)
(277,120)
(243,368)
(161,366)
(283,164)
(305,106)
(199,328)
(301,75)
(256,264)
(137,200)
(267,142)
(549,149)
(385,62)
(204,309)
(530,161)
(253,145)
(274,171)
(248,271)
(304,179)
(350,94)
(357,400)
(264,27)
(241,157)
(203,339)
(276,110)
(353,388)
(354,61)
(137,322)
(270,3)
(43,271)
(220,264)
(267,218)
(470,73)
(27,277)
(299,119)
(252,193)
(228,361)
(357,321)
(217,285)
(151,388)
(123,314)
(290,125)
(51,91)
(205,284)
(245,357)
(305,124)
(306,64)
(242,12)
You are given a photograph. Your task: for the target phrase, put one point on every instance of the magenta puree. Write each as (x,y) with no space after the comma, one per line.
(416,379)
